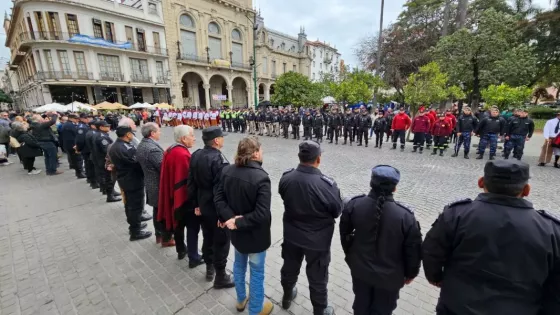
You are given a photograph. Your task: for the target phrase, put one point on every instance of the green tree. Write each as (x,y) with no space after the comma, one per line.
(351,91)
(296,89)
(505,96)
(427,86)
(5,98)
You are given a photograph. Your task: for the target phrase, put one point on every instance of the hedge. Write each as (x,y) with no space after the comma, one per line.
(542,112)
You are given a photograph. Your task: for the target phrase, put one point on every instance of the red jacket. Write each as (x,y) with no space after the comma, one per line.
(440,128)
(421,124)
(432,116)
(401,121)
(173,193)
(451,119)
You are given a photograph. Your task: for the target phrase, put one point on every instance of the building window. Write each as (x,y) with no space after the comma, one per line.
(236,35)
(38,59)
(214,41)
(49,60)
(97,28)
(54,25)
(294,69)
(64,62)
(80,60)
(265,65)
(155,35)
(139,69)
(284,68)
(30,26)
(72,23)
(236,47)
(110,67)
(186,21)
(159,69)
(213,28)
(273,67)
(40,25)
(140,39)
(109,32)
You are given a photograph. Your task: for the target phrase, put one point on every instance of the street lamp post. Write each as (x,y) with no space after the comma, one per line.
(379,42)
(255,27)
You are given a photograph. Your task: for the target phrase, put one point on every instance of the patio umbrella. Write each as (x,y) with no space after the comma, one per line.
(77,106)
(51,107)
(163,106)
(109,106)
(137,106)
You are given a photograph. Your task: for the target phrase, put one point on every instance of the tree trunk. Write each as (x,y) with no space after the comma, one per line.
(445,28)
(462,13)
(476,84)
(379,44)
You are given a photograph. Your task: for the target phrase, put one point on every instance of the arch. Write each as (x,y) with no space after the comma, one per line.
(186,20)
(188,35)
(215,40)
(214,28)
(236,35)
(239,92)
(218,86)
(263,91)
(272,86)
(192,89)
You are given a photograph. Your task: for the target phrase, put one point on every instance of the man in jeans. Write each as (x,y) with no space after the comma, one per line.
(41,130)
(249,220)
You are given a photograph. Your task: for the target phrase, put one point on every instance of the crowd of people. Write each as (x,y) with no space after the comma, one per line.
(471,252)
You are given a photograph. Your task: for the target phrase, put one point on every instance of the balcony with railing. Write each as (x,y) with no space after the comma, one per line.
(111,76)
(64,75)
(162,80)
(195,58)
(26,38)
(241,65)
(140,78)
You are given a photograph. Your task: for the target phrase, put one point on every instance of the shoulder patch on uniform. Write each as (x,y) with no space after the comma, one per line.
(104,142)
(460,201)
(406,207)
(288,171)
(327,179)
(80,131)
(549,216)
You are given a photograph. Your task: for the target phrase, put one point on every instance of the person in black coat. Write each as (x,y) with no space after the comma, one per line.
(382,243)
(29,147)
(243,200)
(495,254)
(312,202)
(379,127)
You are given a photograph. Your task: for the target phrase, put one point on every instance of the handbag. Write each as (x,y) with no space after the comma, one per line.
(14,143)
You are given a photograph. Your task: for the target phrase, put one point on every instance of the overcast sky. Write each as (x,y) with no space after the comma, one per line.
(339,22)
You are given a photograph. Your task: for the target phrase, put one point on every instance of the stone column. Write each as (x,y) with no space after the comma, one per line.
(207,95)
(230,94)
(249,97)
(98,95)
(129,96)
(267,92)
(90,95)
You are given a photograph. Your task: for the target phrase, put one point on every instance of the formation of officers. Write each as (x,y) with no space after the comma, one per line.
(492,255)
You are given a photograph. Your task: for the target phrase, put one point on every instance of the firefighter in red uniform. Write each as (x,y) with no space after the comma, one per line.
(441,130)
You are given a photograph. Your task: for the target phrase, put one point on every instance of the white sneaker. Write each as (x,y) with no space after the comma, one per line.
(34,172)
(6,163)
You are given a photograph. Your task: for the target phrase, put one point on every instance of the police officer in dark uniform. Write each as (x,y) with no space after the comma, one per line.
(285,118)
(355,124)
(466,124)
(364,125)
(88,154)
(318,123)
(101,142)
(69,132)
(83,128)
(382,242)
(326,122)
(307,125)
(295,121)
(205,170)
(335,122)
(495,254)
(348,124)
(519,129)
(131,180)
(312,202)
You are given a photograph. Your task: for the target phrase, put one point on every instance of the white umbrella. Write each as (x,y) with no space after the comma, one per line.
(51,107)
(328,99)
(146,105)
(77,106)
(137,105)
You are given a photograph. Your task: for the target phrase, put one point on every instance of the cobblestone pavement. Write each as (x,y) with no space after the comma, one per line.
(63,250)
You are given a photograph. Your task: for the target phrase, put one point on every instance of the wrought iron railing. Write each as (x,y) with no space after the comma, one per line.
(140,78)
(111,76)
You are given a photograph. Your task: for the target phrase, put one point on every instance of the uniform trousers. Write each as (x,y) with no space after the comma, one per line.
(517,144)
(276,129)
(295,131)
(465,140)
(75,160)
(261,127)
(317,270)
(326,131)
(491,138)
(286,129)
(104,178)
(429,139)
(363,135)
(348,134)
(307,133)
(215,246)
(192,222)
(378,138)
(251,127)
(398,135)
(88,166)
(133,208)
(369,300)
(354,133)
(269,129)
(228,123)
(223,124)
(440,142)
(334,133)
(318,133)
(419,139)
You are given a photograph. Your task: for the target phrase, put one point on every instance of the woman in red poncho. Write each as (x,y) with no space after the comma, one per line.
(174,209)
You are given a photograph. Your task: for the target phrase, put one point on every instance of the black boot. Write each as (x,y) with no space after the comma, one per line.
(556,158)
(480,156)
(80,175)
(466,155)
(140,235)
(414,149)
(94,185)
(492,157)
(421,150)
(455,154)
(394,146)
(506,156)
(289,296)
(328,311)
(113,198)
(359,144)
(434,152)
(223,280)
(441,152)
(210,273)
(344,142)
(402,148)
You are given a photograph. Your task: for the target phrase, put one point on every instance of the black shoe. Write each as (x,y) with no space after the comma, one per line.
(394,147)
(359,144)
(377,146)
(195,263)
(112,198)
(94,185)
(143,225)
(434,152)
(491,157)
(556,165)
(116,193)
(402,149)
(181,255)
(541,164)
(441,153)
(288,298)
(140,235)
(81,175)
(328,311)
(210,273)
(366,145)
(454,154)
(145,217)
(414,150)
(466,156)
(480,156)
(223,280)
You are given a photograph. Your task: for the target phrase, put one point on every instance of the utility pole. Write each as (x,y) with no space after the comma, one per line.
(255,27)
(379,43)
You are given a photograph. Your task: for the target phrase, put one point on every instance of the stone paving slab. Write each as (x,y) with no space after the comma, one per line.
(63,250)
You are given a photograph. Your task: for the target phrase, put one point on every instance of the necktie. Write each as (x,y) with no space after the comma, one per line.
(557,127)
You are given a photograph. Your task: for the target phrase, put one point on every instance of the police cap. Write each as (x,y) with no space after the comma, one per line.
(384,176)
(101,123)
(123,130)
(511,172)
(212,133)
(309,150)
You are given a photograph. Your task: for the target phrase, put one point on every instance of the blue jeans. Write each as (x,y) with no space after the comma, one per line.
(50,153)
(256,283)
(491,138)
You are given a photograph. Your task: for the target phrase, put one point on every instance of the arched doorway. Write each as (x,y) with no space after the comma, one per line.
(272,86)
(218,91)
(262,94)
(193,90)
(239,93)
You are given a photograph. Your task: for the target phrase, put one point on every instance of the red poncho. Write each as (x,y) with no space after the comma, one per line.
(173,184)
